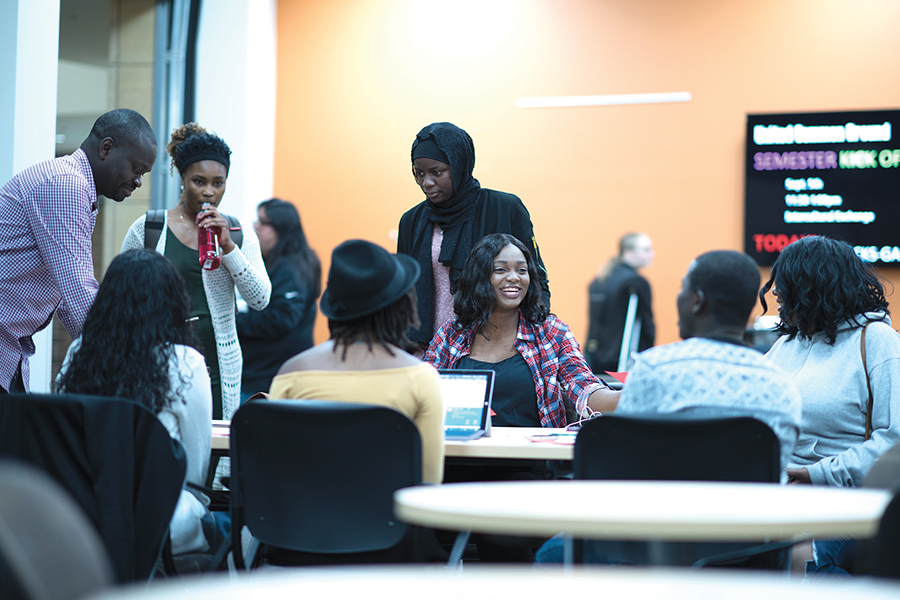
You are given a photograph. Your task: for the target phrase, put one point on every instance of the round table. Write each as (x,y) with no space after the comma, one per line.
(646,510)
(414,583)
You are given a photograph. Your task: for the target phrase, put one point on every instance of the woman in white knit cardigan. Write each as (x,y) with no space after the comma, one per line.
(202,160)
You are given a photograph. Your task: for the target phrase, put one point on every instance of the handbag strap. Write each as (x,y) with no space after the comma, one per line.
(862,349)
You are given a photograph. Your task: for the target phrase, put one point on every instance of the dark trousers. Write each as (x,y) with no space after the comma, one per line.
(17,385)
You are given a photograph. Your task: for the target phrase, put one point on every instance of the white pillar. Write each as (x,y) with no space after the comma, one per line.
(236,52)
(29,51)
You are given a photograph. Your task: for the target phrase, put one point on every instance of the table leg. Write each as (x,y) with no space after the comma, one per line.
(660,553)
(568,551)
(459,546)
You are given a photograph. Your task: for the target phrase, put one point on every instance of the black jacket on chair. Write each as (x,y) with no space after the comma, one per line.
(113,456)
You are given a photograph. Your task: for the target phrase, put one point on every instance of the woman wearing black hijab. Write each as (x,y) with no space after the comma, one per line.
(457,212)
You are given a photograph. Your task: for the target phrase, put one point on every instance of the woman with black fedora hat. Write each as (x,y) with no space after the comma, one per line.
(370,302)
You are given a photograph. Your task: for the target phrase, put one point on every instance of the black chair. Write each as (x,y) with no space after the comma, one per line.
(681,448)
(313,482)
(116,460)
(880,555)
(48,549)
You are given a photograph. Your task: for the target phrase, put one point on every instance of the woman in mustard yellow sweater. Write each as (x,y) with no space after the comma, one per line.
(370,303)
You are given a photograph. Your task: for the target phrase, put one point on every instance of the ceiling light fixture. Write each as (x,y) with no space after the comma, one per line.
(607,100)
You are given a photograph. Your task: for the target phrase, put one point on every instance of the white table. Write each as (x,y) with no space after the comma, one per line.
(646,510)
(530,443)
(221,437)
(415,583)
(504,443)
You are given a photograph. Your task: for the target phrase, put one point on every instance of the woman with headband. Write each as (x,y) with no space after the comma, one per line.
(203,160)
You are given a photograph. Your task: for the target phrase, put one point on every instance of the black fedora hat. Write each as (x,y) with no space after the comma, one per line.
(365,278)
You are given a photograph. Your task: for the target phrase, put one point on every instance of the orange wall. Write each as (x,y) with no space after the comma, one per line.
(358,78)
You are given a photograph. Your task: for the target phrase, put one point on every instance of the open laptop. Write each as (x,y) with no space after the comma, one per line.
(467,403)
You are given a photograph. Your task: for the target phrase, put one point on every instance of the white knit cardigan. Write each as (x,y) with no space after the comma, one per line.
(244,268)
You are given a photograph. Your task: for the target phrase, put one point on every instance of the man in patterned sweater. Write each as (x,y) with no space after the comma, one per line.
(47,216)
(712,370)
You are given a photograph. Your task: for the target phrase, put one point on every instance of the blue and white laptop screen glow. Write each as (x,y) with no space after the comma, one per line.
(467,399)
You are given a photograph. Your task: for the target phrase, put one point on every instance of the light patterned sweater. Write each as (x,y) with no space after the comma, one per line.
(701,375)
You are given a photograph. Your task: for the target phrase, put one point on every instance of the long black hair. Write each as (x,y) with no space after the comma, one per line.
(292,245)
(475,300)
(140,312)
(820,283)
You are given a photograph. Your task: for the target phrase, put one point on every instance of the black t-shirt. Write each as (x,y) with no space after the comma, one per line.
(514,400)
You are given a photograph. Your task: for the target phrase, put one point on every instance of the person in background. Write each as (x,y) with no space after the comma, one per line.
(503,324)
(47,216)
(138,344)
(440,231)
(203,160)
(285,327)
(839,348)
(609,294)
(370,302)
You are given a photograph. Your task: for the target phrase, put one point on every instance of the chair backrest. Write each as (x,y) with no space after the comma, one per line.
(677,447)
(48,548)
(319,477)
(882,553)
(116,460)
(681,447)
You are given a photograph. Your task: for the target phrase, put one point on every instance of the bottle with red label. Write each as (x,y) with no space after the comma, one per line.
(208,242)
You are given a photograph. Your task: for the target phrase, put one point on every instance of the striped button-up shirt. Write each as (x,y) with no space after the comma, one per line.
(47,216)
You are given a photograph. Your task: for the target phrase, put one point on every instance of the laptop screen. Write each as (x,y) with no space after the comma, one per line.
(467,398)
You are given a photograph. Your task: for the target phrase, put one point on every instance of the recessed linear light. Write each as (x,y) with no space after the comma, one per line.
(608,100)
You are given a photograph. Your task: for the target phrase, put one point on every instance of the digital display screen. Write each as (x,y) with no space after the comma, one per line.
(835,174)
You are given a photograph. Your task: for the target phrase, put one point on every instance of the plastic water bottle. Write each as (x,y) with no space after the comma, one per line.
(208,242)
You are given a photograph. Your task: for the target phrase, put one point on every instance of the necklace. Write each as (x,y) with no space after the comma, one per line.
(181,216)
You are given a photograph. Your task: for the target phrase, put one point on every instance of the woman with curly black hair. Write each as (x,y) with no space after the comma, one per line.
(837,343)
(838,346)
(138,344)
(203,160)
(503,324)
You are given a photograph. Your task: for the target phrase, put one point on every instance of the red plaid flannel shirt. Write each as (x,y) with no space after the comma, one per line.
(552,354)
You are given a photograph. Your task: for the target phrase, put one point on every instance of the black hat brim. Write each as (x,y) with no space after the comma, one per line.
(408,270)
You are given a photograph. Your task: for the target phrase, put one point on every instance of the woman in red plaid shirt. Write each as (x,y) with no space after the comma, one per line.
(502,324)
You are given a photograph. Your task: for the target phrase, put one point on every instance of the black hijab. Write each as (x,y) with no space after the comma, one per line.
(455,216)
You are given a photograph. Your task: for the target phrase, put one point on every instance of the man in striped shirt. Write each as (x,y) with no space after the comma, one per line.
(47,216)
